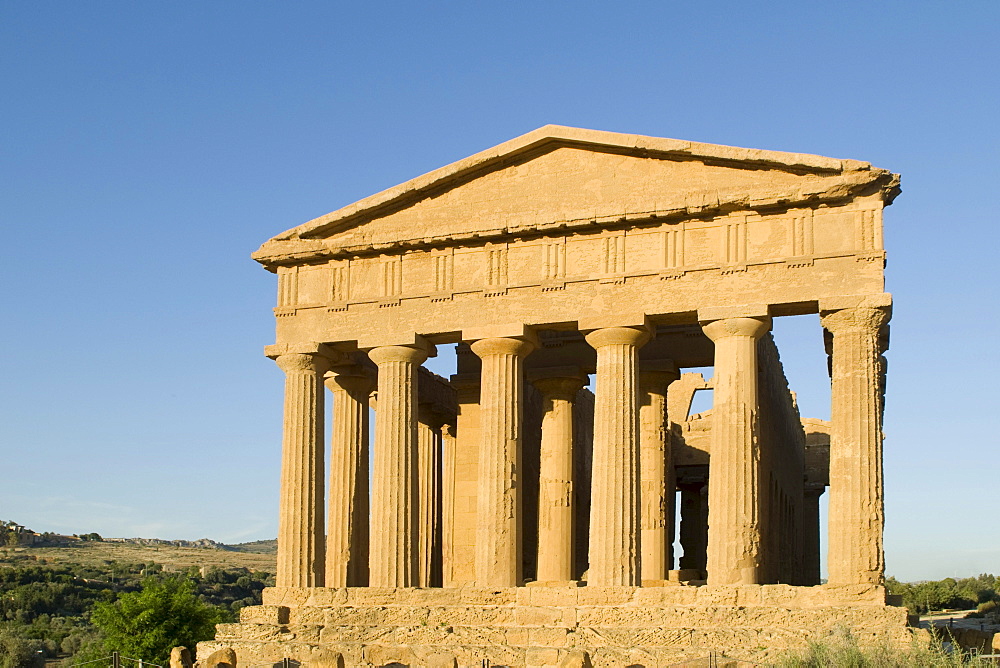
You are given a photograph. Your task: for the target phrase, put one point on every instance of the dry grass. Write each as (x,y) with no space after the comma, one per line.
(99,555)
(843,650)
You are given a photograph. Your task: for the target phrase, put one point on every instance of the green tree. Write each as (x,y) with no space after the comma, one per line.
(146,624)
(15,651)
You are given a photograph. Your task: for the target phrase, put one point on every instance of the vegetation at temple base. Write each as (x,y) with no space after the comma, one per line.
(842,649)
(163,614)
(76,604)
(949,594)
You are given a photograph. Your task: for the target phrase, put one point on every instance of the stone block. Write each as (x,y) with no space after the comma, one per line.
(489,615)
(479,635)
(680,595)
(852,594)
(264,614)
(577,658)
(538,616)
(539,657)
(307,615)
(517,636)
(337,635)
(430,597)
(547,637)
(441,660)
(222,658)
(306,633)
(652,597)
(553,596)
(717,595)
(324,596)
(325,658)
(605,595)
(423,635)
(632,616)
(619,657)
(377,616)
(372,595)
(380,655)
(288,596)
(486,596)
(749,594)
(638,637)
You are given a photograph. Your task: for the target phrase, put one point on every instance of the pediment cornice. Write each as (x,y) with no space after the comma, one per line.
(823,181)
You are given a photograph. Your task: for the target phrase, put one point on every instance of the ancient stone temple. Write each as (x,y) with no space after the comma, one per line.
(521,512)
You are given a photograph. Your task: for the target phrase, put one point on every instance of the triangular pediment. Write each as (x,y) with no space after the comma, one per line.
(559,178)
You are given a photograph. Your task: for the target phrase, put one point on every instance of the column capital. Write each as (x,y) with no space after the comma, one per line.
(564,387)
(658,372)
(502,345)
(351,379)
(412,354)
(432,415)
(622,336)
(312,362)
(307,348)
(559,381)
(729,327)
(856,319)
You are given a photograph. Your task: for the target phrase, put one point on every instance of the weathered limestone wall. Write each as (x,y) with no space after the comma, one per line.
(466,476)
(583,462)
(782,471)
(537,626)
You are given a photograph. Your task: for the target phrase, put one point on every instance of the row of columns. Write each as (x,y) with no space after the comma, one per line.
(631,507)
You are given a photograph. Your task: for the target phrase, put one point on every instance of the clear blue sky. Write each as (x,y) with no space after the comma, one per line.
(149,147)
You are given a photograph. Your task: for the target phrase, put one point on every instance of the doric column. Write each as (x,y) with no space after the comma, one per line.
(393,547)
(555,478)
(694,527)
(347,524)
(810,572)
(448,505)
(428,498)
(734,540)
(614,510)
(498,525)
(856,506)
(300,522)
(656,471)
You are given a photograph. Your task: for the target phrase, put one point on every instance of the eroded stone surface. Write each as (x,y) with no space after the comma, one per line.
(750,622)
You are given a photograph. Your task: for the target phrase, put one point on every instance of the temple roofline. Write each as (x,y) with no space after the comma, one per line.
(550,137)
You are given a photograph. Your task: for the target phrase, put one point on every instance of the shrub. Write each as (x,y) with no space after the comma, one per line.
(842,650)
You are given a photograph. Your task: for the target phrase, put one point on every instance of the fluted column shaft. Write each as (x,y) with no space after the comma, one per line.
(656,474)
(694,527)
(393,548)
(614,510)
(498,522)
(810,570)
(347,524)
(856,515)
(428,500)
(555,479)
(734,532)
(300,520)
(448,504)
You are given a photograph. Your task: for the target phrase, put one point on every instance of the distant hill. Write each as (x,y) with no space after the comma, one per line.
(256,547)
(103,555)
(204,543)
(20,544)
